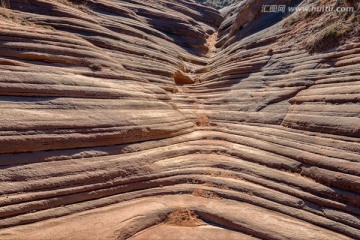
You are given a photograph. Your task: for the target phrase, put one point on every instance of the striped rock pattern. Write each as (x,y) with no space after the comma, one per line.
(163,119)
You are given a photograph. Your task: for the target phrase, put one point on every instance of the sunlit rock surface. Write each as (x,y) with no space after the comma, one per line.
(172,120)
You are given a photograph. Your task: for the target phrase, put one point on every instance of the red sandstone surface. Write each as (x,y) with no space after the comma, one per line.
(168,119)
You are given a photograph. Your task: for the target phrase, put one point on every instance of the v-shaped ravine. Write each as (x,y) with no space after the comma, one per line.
(168,119)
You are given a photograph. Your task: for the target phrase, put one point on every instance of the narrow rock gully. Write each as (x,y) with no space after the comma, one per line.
(168,119)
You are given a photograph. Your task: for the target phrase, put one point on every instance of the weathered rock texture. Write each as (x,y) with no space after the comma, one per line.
(218,3)
(169,120)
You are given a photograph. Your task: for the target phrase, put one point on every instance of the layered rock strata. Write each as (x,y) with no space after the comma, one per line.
(172,120)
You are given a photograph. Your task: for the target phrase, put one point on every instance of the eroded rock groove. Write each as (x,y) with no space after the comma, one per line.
(170,119)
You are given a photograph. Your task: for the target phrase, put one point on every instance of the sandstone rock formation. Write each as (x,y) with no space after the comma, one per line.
(144,119)
(218,3)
